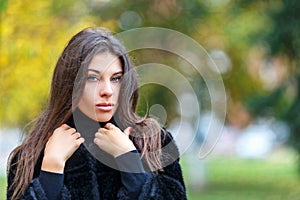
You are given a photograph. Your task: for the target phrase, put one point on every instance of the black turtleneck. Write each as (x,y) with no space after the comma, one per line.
(129,164)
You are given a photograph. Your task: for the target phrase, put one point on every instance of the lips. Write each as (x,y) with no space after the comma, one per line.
(105,106)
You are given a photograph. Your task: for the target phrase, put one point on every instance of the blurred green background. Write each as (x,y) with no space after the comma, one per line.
(255,45)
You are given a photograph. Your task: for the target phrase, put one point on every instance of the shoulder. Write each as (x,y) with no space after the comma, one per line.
(16,160)
(166,137)
(170,152)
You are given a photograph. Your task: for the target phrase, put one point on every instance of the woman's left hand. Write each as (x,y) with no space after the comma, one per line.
(112,140)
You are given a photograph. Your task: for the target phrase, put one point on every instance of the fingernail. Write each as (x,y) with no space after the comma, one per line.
(130,129)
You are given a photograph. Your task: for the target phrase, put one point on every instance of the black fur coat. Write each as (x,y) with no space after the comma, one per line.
(87,178)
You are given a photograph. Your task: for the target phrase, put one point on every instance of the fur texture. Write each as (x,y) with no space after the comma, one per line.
(87,178)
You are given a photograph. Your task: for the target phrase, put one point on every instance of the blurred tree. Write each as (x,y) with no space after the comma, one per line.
(283,41)
(226,28)
(219,26)
(32,36)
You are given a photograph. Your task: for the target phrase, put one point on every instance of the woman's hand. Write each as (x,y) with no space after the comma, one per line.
(60,147)
(112,140)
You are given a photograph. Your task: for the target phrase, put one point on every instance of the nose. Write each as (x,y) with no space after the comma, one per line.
(105,89)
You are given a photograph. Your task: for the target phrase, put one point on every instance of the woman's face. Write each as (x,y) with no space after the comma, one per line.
(100,96)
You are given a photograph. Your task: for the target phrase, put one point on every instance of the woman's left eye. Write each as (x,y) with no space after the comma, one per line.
(116,79)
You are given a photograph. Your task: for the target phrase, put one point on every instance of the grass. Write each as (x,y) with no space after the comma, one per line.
(2,188)
(235,179)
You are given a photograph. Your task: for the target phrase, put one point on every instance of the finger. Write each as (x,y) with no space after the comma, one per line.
(96,141)
(99,135)
(76,135)
(103,130)
(127,131)
(109,126)
(80,140)
(65,126)
(71,131)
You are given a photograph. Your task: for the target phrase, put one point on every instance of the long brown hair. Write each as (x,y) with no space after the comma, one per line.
(75,59)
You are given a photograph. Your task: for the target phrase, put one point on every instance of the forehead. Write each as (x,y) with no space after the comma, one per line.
(105,62)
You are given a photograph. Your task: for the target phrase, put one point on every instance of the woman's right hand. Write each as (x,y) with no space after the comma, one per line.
(60,147)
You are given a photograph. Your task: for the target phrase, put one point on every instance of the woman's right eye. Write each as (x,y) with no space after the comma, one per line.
(92,78)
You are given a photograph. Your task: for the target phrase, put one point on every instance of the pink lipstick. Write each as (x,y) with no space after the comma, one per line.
(106,107)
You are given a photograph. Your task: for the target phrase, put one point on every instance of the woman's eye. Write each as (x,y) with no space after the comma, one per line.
(92,78)
(116,79)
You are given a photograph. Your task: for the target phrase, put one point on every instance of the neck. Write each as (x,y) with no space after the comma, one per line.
(86,126)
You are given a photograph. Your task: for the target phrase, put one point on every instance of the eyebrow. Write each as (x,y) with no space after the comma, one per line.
(98,72)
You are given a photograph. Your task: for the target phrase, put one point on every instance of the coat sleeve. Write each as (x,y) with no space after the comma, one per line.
(35,190)
(165,185)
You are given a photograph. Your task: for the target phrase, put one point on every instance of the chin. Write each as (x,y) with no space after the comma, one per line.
(104,117)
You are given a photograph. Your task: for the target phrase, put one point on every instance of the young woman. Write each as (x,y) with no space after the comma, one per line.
(88,143)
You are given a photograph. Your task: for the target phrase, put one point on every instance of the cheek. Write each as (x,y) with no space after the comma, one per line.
(88,95)
(117,92)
